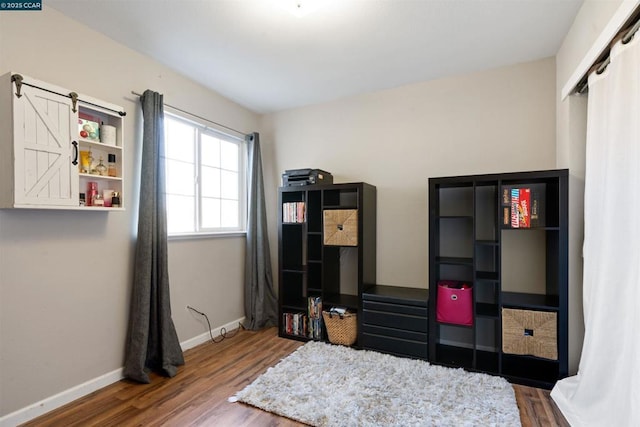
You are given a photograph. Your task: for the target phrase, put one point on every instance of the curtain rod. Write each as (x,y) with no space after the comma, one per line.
(197,116)
(601,63)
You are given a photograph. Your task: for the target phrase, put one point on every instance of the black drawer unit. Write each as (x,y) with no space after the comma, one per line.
(394,320)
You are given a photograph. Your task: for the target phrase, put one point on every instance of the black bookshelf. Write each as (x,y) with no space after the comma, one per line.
(307,267)
(512,263)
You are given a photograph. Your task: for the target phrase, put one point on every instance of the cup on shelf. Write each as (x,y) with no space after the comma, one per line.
(107,195)
(108,134)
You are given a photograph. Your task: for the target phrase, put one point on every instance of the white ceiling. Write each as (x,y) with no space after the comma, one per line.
(266,59)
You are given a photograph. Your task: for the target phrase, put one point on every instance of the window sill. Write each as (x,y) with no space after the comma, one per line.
(190,236)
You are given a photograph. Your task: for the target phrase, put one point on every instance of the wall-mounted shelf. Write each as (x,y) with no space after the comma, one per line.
(43,147)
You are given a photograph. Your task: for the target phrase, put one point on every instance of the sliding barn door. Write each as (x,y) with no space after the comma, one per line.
(44,126)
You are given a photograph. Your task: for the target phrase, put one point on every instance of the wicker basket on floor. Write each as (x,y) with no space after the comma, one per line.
(341,328)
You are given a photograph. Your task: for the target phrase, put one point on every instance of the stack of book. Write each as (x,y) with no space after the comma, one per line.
(315,318)
(522,206)
(308,324)
(295,323)
(293,212)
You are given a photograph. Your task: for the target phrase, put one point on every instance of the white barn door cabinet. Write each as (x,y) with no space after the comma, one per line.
(44,151)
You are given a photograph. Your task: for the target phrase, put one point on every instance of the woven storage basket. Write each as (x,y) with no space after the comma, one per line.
(341,227)
(529,332)
(342,329)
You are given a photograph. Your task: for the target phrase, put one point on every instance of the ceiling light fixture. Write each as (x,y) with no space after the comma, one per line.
(300,8)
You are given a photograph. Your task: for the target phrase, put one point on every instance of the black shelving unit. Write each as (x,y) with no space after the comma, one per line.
(472,239)
(310,268)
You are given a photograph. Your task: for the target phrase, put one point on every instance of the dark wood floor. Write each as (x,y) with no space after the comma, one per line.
(198,395)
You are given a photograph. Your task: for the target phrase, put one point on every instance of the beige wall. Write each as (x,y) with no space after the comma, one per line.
(65,277)
(500,120)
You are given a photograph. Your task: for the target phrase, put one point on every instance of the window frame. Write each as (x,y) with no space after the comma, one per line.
(201,128)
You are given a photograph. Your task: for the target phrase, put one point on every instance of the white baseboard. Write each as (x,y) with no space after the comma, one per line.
(50,403)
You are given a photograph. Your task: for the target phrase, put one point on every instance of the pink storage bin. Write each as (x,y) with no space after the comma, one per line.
(454,305)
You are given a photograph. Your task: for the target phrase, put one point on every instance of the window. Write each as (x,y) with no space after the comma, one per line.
(205,179)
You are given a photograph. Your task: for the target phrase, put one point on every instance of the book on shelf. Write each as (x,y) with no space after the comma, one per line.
(315,318)
(537,205)
(506,206)
(293,212)
(295,323)
(522,207)
(520,204)
(506,196)
(315,329)
(305,324)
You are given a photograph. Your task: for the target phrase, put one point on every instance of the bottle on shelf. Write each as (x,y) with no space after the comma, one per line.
(98,200)
(90,168)
(85,162)
(92,191)
(111,165)
(115,199)
(101,169)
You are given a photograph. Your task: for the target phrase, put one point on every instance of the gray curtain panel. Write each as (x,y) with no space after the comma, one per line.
(260,303)
(152,342)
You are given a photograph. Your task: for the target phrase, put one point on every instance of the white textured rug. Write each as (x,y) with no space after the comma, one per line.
(328,385)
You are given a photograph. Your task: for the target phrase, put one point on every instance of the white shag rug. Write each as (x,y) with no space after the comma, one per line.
(328,385)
